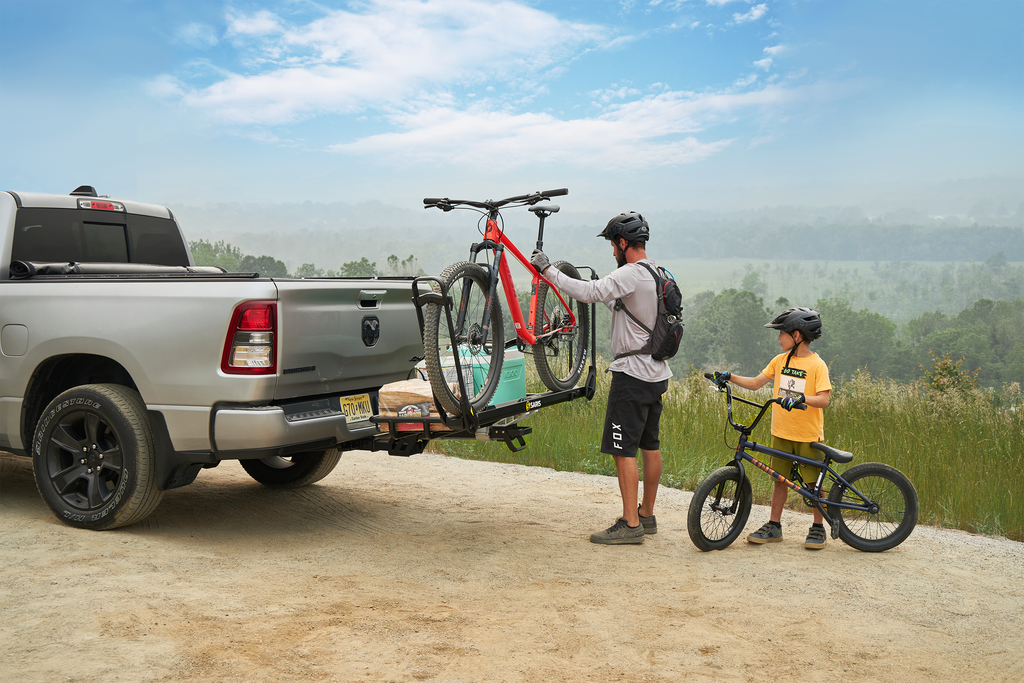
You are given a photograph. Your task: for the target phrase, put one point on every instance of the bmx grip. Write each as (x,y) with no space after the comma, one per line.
(798,406)
(431,201)
(555,193)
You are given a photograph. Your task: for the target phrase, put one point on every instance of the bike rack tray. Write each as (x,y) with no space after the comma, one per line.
(493,423)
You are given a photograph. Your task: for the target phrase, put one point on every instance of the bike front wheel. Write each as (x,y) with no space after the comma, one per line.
(886,525)
(480,350)
(719,509)
(561,349)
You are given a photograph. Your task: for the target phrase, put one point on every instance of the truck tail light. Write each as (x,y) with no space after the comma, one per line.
(251,344)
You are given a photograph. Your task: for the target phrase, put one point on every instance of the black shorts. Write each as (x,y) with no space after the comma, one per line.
(633,415)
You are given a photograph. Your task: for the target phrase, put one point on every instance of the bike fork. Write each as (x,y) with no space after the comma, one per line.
(492,284)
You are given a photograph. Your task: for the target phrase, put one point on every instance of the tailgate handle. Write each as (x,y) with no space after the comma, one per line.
(371,298)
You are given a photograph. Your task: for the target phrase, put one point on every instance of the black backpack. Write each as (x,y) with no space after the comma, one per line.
(668,327)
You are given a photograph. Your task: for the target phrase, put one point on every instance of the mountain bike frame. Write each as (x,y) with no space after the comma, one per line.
(496,241)
(813,496)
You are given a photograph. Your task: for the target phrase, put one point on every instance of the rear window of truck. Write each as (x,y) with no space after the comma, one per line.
(63,235)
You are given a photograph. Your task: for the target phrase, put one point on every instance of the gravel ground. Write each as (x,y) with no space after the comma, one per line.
(432,568)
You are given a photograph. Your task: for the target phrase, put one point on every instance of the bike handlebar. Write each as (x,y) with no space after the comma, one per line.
(729,399)
(446,204)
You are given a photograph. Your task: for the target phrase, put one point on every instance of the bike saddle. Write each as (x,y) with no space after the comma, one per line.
(834,453)
(546,208)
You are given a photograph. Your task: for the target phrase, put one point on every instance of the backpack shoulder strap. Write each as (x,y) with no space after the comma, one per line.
(620,305)
(650,270)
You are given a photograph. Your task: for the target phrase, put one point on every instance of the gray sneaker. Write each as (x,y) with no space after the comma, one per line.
(618,534)
(769,533)
(650,524)
(815,538)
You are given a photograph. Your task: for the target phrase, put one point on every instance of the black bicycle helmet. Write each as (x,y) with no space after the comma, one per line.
(630,226)
(800,318)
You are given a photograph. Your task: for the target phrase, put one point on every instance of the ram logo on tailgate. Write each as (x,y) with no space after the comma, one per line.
(371,330)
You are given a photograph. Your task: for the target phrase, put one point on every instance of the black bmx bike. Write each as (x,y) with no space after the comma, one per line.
(871,506)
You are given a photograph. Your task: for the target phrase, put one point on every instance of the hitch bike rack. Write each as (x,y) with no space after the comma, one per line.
(493,423)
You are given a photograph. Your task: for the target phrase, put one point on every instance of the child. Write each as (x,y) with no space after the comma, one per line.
(801,376)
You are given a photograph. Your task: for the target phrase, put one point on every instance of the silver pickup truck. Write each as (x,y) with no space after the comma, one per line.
(125,369)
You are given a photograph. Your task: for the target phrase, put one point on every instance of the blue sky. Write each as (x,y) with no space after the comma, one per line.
(649,103)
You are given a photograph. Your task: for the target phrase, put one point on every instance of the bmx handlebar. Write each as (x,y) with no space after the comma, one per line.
(762,406)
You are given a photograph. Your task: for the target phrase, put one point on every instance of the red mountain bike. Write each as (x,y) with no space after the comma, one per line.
(557,328)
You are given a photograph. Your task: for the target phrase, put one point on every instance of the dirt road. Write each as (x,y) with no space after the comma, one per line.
(438,569)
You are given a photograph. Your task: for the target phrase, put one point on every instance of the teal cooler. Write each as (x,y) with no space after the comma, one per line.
(511,384)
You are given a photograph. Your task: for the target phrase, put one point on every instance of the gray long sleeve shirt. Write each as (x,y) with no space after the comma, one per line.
(635,286)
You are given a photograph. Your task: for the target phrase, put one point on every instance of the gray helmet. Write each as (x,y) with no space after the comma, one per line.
(630,226)
(800,318)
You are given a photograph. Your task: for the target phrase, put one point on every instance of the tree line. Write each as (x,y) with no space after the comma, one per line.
(231,259)
(725,331)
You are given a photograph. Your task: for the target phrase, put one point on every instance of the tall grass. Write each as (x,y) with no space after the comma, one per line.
(964,451)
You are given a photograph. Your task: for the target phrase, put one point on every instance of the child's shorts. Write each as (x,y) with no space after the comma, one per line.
(801,448)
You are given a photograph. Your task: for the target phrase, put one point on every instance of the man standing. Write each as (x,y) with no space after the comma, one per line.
(638,381)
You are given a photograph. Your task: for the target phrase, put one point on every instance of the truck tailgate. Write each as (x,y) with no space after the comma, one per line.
(340,335)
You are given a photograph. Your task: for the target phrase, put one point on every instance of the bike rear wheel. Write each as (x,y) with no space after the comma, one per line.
(480,351)
(560,355)
(891,523)
(719,509)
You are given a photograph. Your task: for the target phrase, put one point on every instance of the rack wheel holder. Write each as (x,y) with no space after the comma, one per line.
(495,422)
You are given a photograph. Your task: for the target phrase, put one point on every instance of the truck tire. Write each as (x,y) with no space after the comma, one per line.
(292,471)
(93,457)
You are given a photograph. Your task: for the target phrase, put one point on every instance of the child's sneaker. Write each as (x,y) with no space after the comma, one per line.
(769,533)
(619,533)
(650,524)
(815,538)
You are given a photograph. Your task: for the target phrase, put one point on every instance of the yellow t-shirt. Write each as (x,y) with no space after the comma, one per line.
(804,376)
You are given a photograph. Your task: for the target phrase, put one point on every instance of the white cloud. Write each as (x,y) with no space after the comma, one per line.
(386,53)
(754,14)
(478,138)
(262,23)
(411,66)
(608,95)
(196,35)
(165,88)
(767,62)
(655,130)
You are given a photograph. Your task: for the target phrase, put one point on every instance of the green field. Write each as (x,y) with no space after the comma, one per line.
(964,455)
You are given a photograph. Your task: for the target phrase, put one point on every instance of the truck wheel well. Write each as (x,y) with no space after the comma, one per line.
(61,373)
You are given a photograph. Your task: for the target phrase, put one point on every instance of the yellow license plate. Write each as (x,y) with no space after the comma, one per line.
(357,408)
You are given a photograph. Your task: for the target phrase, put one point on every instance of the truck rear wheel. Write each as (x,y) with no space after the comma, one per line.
(292,471)
(93,457)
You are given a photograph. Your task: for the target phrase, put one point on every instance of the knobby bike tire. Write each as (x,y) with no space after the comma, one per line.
(479,354)
(560,357)
(708,521)
(897,507)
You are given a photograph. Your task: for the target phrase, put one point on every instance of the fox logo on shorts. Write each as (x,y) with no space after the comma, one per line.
(617,436)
